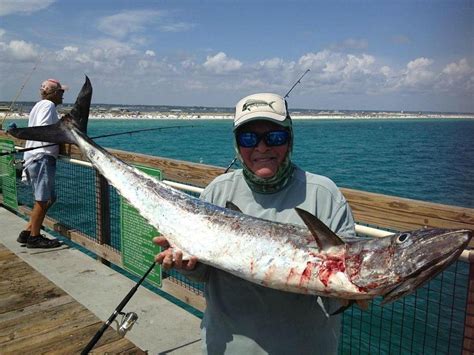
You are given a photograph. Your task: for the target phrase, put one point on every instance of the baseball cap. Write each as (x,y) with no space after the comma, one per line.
(51,85)
(262,106)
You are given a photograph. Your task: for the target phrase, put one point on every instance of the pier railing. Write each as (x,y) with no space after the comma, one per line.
(438,318)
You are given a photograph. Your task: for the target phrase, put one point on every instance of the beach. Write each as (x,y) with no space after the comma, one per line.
(189,115)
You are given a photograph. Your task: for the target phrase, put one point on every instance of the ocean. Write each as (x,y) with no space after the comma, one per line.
(424,159)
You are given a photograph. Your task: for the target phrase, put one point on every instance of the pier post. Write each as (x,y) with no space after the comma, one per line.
(468,344)
(102,212)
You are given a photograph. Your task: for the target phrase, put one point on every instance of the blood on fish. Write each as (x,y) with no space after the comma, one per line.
(329,267)
(306,275)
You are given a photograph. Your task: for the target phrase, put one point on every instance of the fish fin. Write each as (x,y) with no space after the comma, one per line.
(60,131)
(231,206)
(343,308)
(325,238)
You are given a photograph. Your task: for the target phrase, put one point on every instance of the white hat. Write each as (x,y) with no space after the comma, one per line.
(264,106)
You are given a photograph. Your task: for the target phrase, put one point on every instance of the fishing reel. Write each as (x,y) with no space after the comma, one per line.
(18,163)
(127,322)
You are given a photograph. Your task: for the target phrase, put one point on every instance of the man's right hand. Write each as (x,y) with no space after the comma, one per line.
(170,258)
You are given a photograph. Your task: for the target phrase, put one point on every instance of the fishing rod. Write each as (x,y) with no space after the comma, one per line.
(96,137)
(296,83)
(287,95)
(130,318)
(21,89)
(230,165)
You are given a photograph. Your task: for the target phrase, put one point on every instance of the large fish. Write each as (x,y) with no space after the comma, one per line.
(308,260)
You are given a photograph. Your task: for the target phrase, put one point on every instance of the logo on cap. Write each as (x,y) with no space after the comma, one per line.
(249,103)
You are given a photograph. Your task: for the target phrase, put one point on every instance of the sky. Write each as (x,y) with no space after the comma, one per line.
(410,55)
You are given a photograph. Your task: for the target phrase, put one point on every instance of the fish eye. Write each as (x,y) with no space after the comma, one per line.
(402,238)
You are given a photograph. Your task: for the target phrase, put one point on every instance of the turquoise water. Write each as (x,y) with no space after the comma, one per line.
(430,160)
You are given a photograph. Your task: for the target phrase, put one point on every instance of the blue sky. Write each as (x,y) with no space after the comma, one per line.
(412,55)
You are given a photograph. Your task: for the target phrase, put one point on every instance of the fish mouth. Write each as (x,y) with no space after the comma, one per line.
(425,273)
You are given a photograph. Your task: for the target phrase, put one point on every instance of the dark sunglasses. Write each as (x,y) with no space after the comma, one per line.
(271,139)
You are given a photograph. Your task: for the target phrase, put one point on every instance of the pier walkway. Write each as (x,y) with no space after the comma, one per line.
(55,300)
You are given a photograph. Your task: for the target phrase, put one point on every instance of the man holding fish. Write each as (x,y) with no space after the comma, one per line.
(260,272)
(241,316)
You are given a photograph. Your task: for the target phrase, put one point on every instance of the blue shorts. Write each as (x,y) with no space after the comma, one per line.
(41,174)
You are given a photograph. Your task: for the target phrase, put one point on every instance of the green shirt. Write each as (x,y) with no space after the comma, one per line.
(245,318)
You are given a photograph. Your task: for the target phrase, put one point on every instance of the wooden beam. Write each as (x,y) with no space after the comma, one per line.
(403,214)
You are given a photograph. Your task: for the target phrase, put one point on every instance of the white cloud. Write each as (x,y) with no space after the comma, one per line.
(387,71)
(115,64)
(457,75)
(124,23)
(361,64)
(105,55)
(417,73)
(8,7)
(315,60)
(18,50)
(458,69)
(140,21)
(2,32)
(188,64)
(272,64)
(110,49)
(72,54)
(339,71)
(220,63)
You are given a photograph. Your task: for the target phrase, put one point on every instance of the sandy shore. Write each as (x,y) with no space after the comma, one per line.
(221,116)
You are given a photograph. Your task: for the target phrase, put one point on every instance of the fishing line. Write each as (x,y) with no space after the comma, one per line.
(96,137)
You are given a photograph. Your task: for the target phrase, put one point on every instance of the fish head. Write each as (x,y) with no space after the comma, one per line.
(396,265)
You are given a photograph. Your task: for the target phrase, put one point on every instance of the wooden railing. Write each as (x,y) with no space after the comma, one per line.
(386,212)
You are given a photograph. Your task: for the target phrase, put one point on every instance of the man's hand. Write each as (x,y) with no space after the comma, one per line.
(170,258)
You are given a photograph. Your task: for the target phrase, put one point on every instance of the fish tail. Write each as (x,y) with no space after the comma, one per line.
(60,132)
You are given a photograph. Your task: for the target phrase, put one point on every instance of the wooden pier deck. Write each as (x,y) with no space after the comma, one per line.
(36,316)
(55,300)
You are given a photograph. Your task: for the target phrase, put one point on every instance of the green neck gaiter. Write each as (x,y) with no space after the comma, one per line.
(273,184)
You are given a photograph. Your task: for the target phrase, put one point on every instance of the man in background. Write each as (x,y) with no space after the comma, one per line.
(40,165)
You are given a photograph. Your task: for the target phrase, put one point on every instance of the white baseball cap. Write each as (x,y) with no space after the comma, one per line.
(262,106)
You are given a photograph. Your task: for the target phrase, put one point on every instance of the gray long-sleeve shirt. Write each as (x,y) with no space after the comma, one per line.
(245,318)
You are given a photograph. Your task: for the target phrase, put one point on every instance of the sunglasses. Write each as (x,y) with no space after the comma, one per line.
(271,139)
